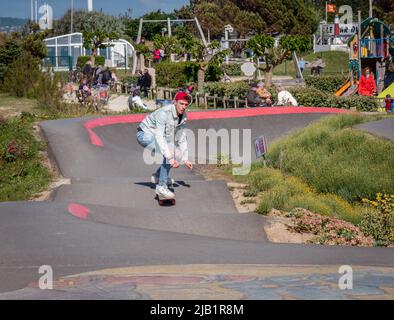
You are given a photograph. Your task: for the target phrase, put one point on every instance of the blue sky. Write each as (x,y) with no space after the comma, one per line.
(21,8)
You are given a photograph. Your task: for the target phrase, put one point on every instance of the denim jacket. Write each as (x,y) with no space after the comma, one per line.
(163,124)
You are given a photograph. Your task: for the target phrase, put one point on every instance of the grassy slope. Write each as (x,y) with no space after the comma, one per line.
(333,157)
(323,167)
(336,62)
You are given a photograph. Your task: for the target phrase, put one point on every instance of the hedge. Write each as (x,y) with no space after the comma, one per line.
(100,60)
(316,98)
(179,74)
(175,74)
(233,89)
(328,84)
(232,69)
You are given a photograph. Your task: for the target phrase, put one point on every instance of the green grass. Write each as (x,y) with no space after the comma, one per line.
(283,192)
(326,168)
(10,105)
(336,63)
(22,174)
(333,157)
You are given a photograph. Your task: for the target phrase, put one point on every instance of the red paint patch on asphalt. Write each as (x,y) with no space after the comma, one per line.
(78,211)
(203,115)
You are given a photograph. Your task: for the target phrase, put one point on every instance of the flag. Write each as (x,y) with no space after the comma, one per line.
(331,7)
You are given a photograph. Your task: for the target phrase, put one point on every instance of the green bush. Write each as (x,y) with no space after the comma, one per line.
(21,172)
(333,158)
(233,89)
(378,219)
(232,69)
(329,84)
(313,97)
(21,76)
(175,74)
(282,192)
(213,73)
(99,60)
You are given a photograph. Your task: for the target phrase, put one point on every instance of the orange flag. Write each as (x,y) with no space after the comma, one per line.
(331,7)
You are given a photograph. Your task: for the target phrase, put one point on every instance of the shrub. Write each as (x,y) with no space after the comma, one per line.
(328,84)
(21,76)
(232,69)
(175,74)
(99,60)
(21,172)
(233,89)
(282,192)
(328,230)
(333,158)
(315,98)
(378,219)
(49,93)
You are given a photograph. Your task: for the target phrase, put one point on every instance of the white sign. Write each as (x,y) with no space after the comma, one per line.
(46,20)
(344,29)
(248,68)
(260,146)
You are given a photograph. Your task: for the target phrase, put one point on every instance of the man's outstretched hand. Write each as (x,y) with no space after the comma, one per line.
(188,164)
(173,163)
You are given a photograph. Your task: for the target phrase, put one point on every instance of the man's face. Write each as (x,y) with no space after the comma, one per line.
(181,106)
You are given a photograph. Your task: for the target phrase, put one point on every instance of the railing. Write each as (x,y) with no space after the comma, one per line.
(207,101)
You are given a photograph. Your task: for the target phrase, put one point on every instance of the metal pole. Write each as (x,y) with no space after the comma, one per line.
(169,27)
(359,41)
(31,11)
(370,8)
(36,11)
(140,31)
(72,14)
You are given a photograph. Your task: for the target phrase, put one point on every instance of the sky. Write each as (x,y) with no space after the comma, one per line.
(21,8)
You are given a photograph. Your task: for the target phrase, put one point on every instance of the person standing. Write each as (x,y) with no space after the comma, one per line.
(367,85)
(146,82)
(157,132)
(301,65)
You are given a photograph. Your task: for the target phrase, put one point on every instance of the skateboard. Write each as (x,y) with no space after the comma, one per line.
(166,202)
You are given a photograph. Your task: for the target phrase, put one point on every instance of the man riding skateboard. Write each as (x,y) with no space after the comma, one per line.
(161,131)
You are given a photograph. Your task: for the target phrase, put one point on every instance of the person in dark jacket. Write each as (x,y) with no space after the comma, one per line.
(146,82)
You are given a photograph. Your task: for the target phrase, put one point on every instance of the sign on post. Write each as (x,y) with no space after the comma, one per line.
(248,69)
(260,146)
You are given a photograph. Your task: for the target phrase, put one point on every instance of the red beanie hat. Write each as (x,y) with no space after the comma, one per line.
(182,96)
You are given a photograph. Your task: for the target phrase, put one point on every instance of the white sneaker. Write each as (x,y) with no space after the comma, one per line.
(164,192)
(155,180)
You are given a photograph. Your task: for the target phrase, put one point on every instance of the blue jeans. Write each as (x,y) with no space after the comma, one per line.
(147,140)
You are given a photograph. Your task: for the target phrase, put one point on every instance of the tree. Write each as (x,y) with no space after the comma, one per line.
(204,56)
(88,22)
(250,17)
(167,44)
(98,39)
(149,30)
(264,47)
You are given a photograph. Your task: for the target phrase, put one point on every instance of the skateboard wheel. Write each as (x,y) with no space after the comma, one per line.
(173,202)
(161,202)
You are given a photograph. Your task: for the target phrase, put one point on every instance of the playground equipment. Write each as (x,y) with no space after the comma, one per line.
(369,47)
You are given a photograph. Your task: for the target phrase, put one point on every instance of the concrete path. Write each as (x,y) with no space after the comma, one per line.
(108,218)
(383,128)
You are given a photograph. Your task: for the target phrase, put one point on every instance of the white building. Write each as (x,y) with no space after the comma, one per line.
(63,52)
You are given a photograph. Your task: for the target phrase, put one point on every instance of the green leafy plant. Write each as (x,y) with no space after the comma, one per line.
(378,219)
